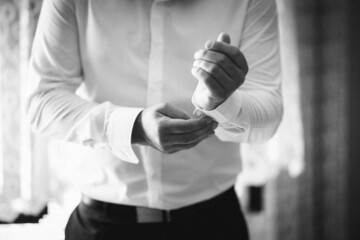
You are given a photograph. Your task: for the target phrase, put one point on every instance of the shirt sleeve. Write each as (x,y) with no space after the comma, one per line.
(253,112)
(54,108)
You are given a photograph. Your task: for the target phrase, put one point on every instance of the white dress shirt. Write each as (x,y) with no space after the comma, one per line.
(100,62)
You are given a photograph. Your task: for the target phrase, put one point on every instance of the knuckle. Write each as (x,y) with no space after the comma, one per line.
(162,139)
(235,84)
(198,64)
(219,95)
(166,149)
(161,129)
(213,69)
(197,72)
(161,149)
(246,67)
(222,59)
(222,94)
(200,54)
(157,140)
(173,151)
(242,78)
(202,122)
(206,78)
(243,63)
(204,52)
(211,44)
(160,106)
(236,53)
(194,144)
(197,135)
(165,105)
(212,95)
(193,137)
(187,138)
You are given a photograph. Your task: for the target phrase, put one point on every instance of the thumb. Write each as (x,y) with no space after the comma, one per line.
(173,112)
(224,37)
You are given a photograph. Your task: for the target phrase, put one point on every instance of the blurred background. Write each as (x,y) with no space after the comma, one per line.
(303,184)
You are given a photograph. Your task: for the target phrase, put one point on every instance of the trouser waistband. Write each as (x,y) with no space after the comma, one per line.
(134,214)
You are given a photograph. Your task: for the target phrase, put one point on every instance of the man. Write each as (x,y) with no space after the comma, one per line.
(162,113)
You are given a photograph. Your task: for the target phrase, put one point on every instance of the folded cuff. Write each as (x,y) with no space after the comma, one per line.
(226,111)
(119,130)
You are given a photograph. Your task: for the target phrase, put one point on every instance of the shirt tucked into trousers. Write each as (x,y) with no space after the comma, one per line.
(221,220)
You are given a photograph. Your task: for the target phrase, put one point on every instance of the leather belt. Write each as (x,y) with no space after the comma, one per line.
(127,213)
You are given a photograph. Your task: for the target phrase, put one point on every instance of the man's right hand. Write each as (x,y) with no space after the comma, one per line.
(170,129)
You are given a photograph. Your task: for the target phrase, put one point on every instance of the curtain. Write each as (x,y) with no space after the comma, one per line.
(23,168)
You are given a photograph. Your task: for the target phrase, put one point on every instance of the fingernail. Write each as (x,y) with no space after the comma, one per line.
(224,37)
(209,44)
(197,113)
(193,70)
(197,54)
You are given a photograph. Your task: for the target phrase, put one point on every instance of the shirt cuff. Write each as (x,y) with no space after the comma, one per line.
(225,112)
(119,130)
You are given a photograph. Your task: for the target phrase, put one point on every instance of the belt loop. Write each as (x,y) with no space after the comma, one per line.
(105,207)
(145,215)
(167,216)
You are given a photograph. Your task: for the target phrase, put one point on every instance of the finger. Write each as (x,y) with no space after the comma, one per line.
(167,141)
(232,52)
(171,111)
(221,60)
(194,136)
(179,126)
(224,37)
(218,73)
(215,89)
(181,147)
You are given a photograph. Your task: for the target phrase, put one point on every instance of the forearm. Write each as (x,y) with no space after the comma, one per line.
(61,114)
(260,115)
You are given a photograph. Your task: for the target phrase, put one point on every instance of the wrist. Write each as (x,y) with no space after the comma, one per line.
(204,103)
(138,135)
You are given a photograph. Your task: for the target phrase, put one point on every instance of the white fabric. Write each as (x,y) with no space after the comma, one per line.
(285,150)
(99,63)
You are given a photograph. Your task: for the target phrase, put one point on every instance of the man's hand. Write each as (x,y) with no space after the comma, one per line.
(170,129)
(220,69)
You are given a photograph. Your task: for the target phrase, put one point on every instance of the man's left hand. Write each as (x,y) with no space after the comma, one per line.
(220,69)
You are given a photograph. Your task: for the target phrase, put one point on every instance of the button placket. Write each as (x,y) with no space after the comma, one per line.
(154,96)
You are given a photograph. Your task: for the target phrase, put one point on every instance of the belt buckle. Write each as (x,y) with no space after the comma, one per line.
(151,215)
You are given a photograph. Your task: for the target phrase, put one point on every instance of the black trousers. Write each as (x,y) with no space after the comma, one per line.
(224,220)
